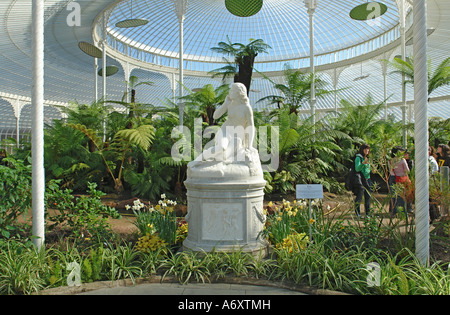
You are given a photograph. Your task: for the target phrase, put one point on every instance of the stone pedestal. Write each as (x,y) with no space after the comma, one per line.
(225,213)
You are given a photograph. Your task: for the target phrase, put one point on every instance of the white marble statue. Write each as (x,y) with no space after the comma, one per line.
(232,147)
(225,185)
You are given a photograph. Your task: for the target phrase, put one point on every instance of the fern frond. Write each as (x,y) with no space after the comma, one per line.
(90,133)
(141,136)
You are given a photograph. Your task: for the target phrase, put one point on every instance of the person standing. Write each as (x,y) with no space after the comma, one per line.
(433,168)
(433,165)
(443,155)
(362,166)
(401,171)
(395,199)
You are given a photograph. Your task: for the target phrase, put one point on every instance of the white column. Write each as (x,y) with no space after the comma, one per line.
(105,44)
(311,6)
(17,131)
(96,79)
(180,10)
(403,56)
(104,70)
(421,131)
(127,72)
(335,85)
(181,66)
(384,73)
(17,105)
(37,135)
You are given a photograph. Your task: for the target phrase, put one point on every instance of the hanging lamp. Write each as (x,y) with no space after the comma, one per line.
(131,22)
(368,11)
(243,8)
(90,49)
(110,70)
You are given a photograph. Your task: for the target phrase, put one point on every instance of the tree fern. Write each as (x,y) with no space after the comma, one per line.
(141,136)
(90,133)
(437,78)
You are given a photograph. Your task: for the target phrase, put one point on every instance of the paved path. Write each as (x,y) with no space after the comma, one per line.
(192,289)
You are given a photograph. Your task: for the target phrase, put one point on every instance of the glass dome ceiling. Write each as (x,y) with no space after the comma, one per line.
(346,49)
(283,24)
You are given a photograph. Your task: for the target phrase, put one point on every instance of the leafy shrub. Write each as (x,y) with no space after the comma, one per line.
(21,267)
(150,243)
(15,195)
(85,215)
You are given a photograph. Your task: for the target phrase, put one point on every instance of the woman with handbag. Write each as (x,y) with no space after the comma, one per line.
(362,180)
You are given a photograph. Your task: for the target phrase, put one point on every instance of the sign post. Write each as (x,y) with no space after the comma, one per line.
(309,191)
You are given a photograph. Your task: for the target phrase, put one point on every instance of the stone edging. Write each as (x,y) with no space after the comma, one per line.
(86,287)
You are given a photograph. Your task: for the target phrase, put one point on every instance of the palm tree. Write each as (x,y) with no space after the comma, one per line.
(92,116)
(359,118)
(121,145)
(437,78)
(297,90)
(296,143)
(206,100)
(244,57)
(132,84)
(438,129)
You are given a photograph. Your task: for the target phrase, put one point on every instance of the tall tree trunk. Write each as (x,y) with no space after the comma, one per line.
(246,71)
(244,75)
(131,113)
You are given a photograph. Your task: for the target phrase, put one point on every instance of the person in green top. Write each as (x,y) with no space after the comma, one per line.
(362,165)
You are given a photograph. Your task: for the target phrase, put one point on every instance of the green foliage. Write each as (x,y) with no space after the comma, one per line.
(23,270)
(154,171)
(91,115)
(141,136)
(15,195)
(241,68)
(439,130)
(280,182)
(160,219)
(122,262)
(150,182)
(186,266)
(92,266)
(359,117)
(307,151)
(20,268)
(87,216)
(437,77)
(124,140)
(206,100)
(296,91)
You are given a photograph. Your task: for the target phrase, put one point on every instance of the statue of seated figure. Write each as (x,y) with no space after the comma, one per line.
(231,152)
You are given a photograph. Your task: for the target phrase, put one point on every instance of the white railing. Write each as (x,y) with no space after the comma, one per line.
(264,64)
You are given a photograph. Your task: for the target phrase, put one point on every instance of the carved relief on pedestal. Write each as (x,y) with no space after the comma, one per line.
(222,222)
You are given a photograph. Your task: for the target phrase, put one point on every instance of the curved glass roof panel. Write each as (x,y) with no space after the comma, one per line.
(70,74)
(283,24)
